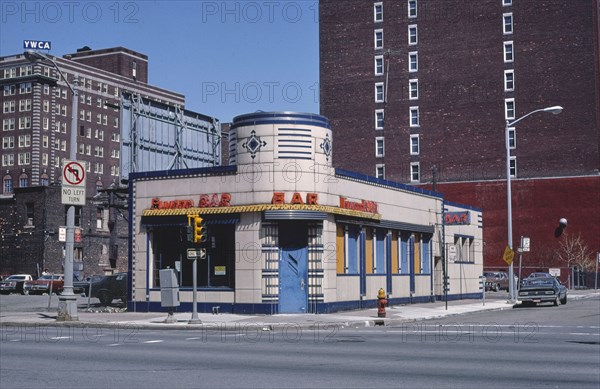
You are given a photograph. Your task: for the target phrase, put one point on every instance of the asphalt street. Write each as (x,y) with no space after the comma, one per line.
(538,347)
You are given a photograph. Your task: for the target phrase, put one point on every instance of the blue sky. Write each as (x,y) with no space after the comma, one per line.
(227,57)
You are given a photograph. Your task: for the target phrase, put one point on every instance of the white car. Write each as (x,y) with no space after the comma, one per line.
(14,283)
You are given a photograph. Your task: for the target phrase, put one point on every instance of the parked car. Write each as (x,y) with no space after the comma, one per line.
(14,283)
(45,284)
(110,288)
(496,281)
(540,275)
(542,290)
(83,287)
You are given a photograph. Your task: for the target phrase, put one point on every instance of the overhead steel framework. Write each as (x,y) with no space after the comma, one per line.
(157,136)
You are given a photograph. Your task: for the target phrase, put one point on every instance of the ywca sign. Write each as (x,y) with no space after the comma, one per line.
(457,218)
(36,45)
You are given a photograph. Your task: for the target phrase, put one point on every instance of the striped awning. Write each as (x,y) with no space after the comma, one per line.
(261,208)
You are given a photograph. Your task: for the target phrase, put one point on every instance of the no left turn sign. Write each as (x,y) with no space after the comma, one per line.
(74,173)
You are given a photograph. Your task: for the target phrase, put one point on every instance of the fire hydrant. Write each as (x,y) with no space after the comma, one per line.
(381,303)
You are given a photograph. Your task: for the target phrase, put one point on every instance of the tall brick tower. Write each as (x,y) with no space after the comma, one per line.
(418,91)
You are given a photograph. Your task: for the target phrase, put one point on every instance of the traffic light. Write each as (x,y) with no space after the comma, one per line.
(199,230)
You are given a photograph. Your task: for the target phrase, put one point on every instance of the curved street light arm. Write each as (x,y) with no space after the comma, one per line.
(36,55)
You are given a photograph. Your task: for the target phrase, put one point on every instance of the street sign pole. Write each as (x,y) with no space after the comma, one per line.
(67,304)
(194,254)
(596,279)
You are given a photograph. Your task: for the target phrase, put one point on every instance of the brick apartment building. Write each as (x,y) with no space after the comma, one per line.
(36,120)
(424,87)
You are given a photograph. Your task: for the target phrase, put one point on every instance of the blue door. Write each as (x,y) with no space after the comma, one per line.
(293,267)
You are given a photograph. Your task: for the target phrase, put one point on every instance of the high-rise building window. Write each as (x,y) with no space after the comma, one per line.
(506,2)
(379,117)
(380,171)
(7,184)
(378,12)
(414,144)
(415,175)
(379,92)
(379,147)
(508,51)
(413,89)
(9,106)
(10,90)
(8,124)
(25,87)
(414,116)
(513,166)
(24,158)
(412,34)
(509,109)
(413,61)
(24,140)
(379,65)
(8,142)
(23,181)
(512,138)
(379,39)
(24,105)
(8,160)
(24,122)
(508,23)
(509,80)
(412,8)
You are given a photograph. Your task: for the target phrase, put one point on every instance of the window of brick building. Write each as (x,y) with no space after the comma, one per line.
(509,109)
(414,116)
(379,39)
(415,175)
(379,147)
(380,171)
(379,65)
(412,8)
(414,144)
(379,117)
(508,23)
(509,80)
(508,51)
(378,12)
(413,61)
(379,92)
(412,34)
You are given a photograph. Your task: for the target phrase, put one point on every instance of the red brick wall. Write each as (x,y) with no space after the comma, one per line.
(461,93)
(537,206)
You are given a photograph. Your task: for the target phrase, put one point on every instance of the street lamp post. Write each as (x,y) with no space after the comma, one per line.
(67,305)
(511,274)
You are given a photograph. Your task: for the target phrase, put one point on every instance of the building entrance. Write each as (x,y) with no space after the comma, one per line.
(293,267)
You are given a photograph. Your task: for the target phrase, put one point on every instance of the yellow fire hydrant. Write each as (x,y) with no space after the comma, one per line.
(381,303)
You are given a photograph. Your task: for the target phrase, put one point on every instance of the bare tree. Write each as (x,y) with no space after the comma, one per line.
(574,252)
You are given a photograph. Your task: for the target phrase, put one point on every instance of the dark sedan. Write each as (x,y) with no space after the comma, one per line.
(83,287)
(543,290)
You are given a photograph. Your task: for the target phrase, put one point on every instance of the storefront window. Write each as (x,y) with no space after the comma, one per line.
(352,249)
(169,248)
(380,254)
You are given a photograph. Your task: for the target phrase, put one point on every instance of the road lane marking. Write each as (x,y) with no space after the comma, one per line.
(153,341)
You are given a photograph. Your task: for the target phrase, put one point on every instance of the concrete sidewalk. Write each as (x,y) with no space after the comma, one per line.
(225,321)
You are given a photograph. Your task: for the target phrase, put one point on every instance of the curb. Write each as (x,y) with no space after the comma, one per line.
(156,324)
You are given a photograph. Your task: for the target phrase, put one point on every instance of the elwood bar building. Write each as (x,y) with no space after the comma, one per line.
(288,233)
